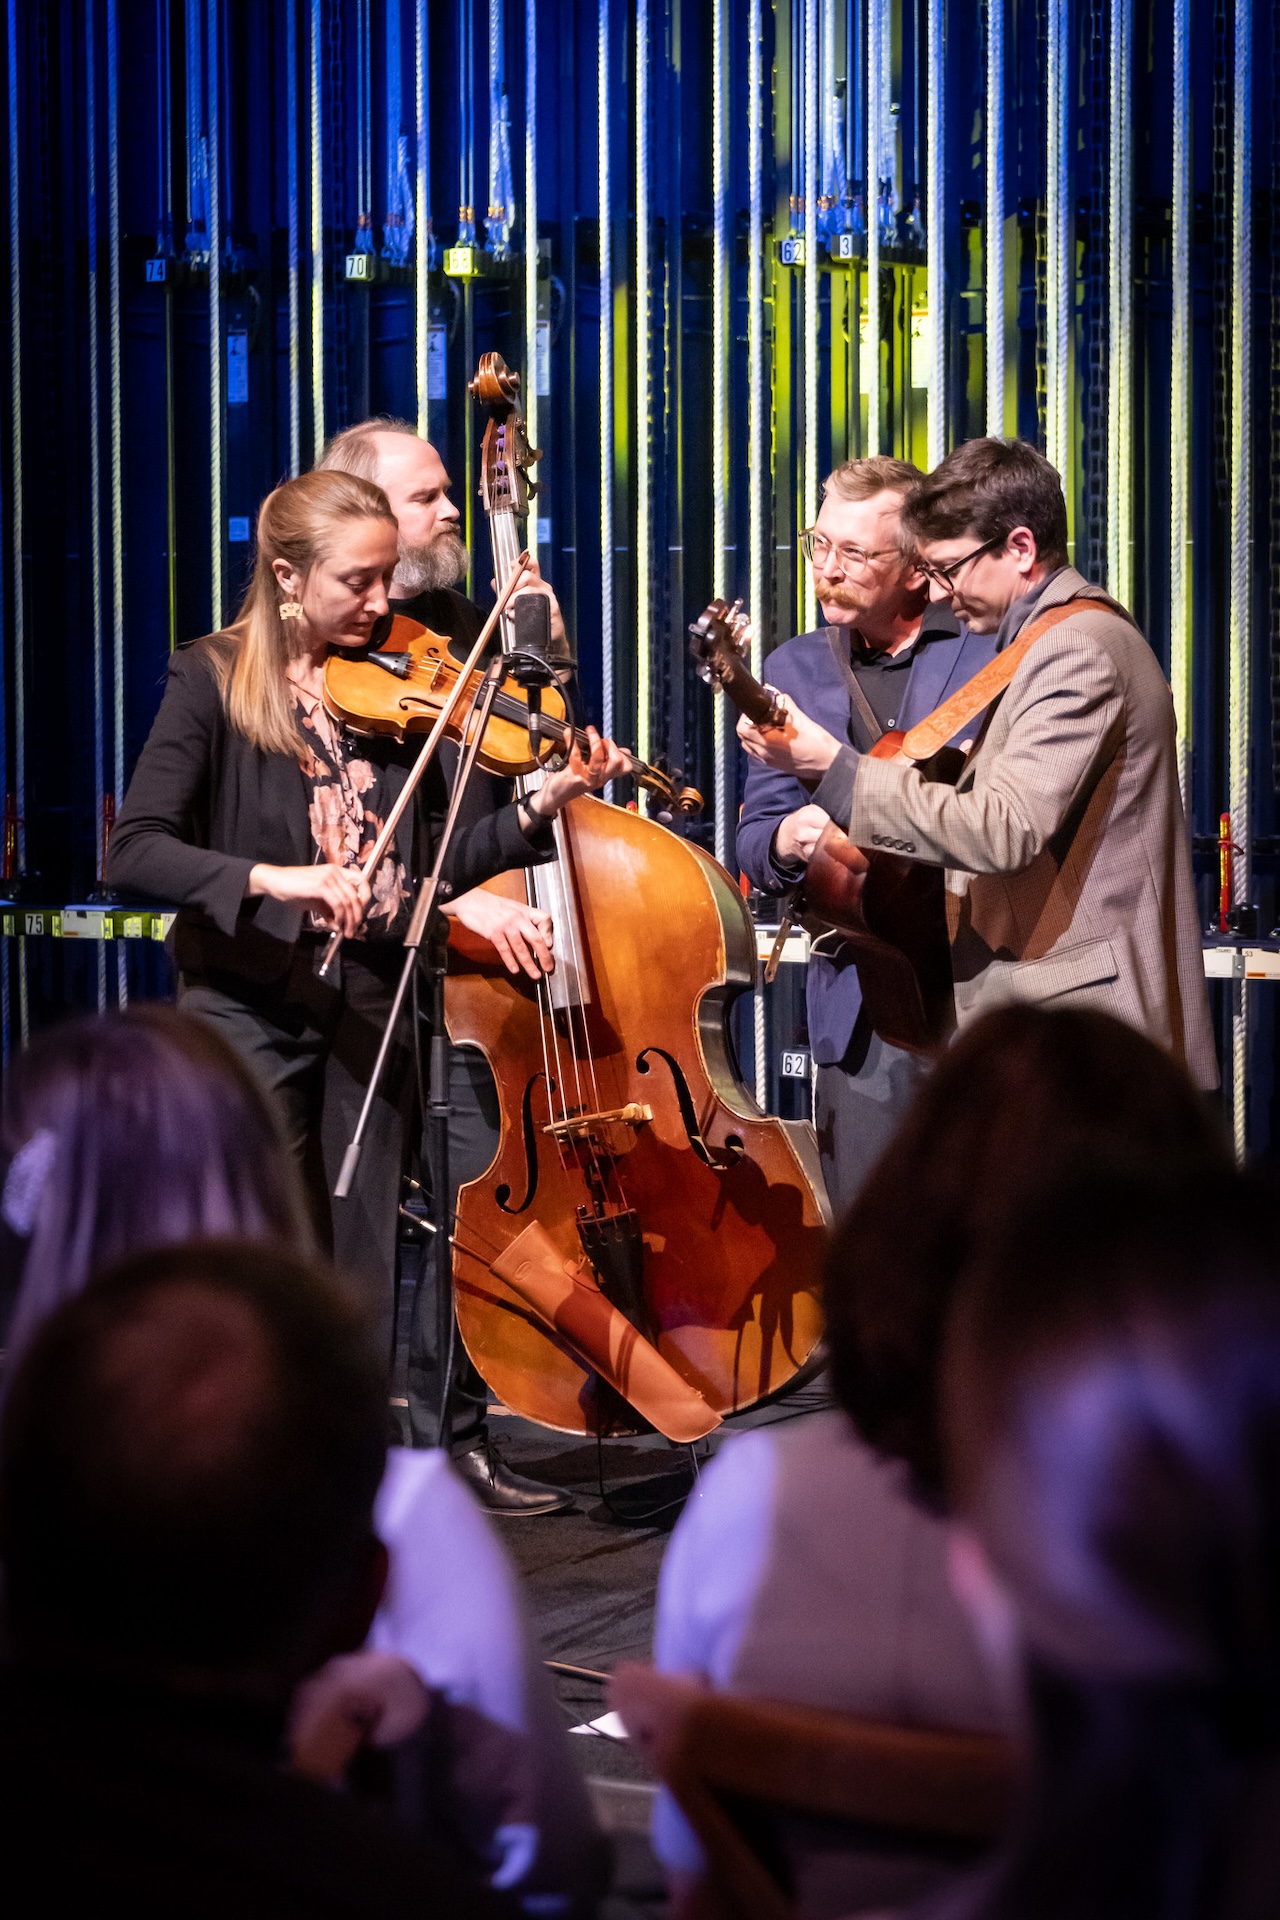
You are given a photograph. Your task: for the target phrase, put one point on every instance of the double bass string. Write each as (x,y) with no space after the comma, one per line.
(506,555)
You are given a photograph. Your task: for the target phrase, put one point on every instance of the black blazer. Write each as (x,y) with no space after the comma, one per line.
(205,806)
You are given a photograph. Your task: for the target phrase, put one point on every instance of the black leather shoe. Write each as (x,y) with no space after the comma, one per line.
(503,1491)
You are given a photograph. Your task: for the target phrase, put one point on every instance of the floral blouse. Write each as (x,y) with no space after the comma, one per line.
(348,809)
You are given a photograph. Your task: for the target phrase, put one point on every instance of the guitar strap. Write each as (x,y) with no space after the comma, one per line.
(861,705)
(946,721)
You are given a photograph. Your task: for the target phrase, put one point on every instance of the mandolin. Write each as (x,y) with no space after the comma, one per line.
(890,912)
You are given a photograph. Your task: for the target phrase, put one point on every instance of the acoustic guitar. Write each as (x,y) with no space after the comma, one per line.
(889,912)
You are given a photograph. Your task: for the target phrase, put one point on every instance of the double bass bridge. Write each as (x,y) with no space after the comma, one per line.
(581,1126)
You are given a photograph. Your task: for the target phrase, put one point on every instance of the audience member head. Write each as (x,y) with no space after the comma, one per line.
(131,1130)
(189,1453)
(1112,1410)
(1022,1094)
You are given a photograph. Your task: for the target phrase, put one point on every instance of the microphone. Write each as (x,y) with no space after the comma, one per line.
(531,626)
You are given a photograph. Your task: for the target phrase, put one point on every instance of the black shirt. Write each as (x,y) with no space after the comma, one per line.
(882,677)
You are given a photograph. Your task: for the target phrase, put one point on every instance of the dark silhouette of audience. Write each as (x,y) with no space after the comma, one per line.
(811,1564)
(1048,1504)
(1113,1428)
(141,1129)
(189,1455)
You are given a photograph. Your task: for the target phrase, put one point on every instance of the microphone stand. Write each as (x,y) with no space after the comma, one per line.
(429,892)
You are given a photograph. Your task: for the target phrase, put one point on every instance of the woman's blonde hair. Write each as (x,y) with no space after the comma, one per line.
(297,522)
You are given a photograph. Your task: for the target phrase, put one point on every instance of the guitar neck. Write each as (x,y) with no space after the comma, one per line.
(757,702)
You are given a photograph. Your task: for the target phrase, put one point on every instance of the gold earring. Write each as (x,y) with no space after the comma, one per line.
(290,609)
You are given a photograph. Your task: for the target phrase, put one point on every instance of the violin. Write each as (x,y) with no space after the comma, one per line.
(400,685)
(645,1250)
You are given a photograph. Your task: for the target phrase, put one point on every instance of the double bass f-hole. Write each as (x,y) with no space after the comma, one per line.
(530,1129)
(688,1113)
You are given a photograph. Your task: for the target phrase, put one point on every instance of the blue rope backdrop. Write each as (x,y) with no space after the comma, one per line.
(773,233)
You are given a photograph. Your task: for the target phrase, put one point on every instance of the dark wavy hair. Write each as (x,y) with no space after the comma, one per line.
(1112,1411)
(141,1129)
(1021,1094)
(987,488)
(189,1454)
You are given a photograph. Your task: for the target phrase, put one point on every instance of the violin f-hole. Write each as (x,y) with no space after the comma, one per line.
(502,1194)
(688,1113)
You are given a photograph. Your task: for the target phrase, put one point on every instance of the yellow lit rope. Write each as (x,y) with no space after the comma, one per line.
(606,368)
(117,433)
(1180,544)
(317,241)
(644,425)
(809,349)
(936,238)
(291,163)
(995,250)
(1057,258)
(531,242)
(876,85)
(719,391)
(421,219)
(1239,623)
(1120,309)
(215,323)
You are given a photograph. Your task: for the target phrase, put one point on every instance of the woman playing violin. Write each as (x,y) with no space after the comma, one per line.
(252,810)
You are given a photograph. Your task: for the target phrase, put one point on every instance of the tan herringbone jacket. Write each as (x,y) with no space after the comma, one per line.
(1068,865)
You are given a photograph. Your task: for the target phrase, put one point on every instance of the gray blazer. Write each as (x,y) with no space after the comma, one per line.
(1068,866)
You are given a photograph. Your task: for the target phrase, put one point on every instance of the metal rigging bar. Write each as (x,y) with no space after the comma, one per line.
(1120,307)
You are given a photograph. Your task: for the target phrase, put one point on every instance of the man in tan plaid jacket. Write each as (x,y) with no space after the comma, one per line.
(1068,865)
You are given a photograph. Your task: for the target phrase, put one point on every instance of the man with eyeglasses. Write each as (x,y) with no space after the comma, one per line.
(1068,865)
(883,658)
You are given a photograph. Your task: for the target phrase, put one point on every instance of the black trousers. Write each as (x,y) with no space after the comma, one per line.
(473,1142)
(312,1044)
(858,1103)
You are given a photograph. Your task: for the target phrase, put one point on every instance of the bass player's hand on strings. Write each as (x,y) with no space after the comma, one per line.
(521,933)
(802,747)
(337,896)
(607,762)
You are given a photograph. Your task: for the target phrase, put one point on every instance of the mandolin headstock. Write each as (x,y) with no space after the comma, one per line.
(720,642)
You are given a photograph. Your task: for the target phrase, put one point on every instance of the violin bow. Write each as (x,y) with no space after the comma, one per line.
(432,741)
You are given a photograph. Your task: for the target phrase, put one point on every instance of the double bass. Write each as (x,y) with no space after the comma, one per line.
(645,1249)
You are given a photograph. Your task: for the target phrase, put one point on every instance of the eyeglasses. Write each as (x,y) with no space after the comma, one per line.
(945,577)
(820,552)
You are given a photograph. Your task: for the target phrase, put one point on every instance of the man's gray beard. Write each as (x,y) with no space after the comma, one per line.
(444,562)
